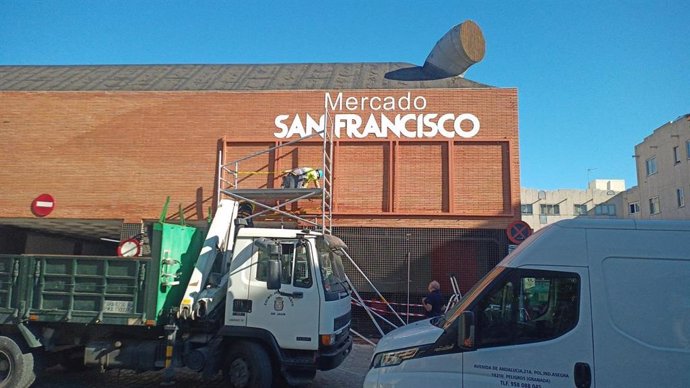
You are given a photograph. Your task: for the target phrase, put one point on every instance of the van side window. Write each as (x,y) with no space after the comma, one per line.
(528,306)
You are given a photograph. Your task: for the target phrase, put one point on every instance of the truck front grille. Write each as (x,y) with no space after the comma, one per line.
(342,321)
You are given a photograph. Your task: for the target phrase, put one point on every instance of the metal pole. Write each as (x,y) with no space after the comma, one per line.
(237,169)
(362,337)
(408,287)
(325,230)
(220,175)
(360,300)
(372,286)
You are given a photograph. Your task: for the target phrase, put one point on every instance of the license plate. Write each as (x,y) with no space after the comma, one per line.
(118,306)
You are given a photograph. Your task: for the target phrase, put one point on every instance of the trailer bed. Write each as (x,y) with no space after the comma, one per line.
(77,289)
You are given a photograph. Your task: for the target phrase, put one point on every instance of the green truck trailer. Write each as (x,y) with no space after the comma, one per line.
(118,312)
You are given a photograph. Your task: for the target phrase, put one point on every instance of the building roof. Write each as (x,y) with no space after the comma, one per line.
(312,76)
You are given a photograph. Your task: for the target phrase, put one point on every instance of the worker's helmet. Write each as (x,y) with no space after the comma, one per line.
(320,172)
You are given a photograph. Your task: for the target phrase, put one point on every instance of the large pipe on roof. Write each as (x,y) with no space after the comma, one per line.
(456,51)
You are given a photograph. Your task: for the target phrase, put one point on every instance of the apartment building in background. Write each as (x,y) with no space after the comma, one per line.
(543,207)
(662,161)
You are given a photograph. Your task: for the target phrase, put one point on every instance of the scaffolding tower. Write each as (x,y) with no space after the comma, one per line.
(278,200)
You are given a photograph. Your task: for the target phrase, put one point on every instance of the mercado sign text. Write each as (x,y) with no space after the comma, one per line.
(351,120)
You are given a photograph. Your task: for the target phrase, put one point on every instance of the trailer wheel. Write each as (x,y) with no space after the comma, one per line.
(16,367)
(248,365)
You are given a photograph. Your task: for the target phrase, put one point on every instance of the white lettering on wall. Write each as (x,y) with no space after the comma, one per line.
(381,125)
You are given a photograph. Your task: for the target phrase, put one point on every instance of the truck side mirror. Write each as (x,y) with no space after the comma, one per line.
(466,325)
(273,281)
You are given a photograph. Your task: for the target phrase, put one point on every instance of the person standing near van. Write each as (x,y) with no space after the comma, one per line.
(301,178)
(433,301)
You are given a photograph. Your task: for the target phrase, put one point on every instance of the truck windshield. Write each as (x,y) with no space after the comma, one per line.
(332,272)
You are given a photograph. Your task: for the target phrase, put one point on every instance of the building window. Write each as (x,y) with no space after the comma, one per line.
(687,148)
(654,206)
(676,154)
(651,166)
(680,196)
(634,207)
(605,210)
(550,210)
(580,210)
(526,208)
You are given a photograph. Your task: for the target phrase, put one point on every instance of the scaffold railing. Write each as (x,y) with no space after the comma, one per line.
(279,200)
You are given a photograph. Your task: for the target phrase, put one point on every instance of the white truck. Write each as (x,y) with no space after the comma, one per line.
(262,305)
(284,295)
(583,303)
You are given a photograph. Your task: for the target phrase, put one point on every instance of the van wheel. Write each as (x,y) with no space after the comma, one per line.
(248,365)
(16,368)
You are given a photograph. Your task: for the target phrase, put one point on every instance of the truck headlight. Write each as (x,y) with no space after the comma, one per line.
(393,358)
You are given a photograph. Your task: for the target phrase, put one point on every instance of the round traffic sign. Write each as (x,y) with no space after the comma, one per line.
(518,231)
(129,248)
(43,205)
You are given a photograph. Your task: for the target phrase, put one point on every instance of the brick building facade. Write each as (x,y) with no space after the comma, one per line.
(425,165)
(116,149)
(117,155)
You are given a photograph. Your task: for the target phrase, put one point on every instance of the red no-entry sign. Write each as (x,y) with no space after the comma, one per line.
(129,248)
(518,231)
(43,205)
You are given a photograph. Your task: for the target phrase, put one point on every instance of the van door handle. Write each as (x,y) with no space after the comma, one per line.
(583,375)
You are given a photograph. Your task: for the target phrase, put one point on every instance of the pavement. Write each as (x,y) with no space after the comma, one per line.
(349,374)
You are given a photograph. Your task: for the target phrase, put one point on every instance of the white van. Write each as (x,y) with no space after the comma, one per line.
(581,303)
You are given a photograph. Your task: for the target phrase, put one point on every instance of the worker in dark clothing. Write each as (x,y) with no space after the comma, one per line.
(245,210)
(300,178)
(434,300)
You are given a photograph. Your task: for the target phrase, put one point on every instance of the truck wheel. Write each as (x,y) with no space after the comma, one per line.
(248,365)
(16,368)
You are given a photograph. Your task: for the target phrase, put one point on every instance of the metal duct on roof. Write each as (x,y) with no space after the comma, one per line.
(456,51)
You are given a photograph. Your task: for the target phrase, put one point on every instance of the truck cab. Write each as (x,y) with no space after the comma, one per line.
(288,292)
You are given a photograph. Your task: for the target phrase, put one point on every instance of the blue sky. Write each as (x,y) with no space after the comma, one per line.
(593,77)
